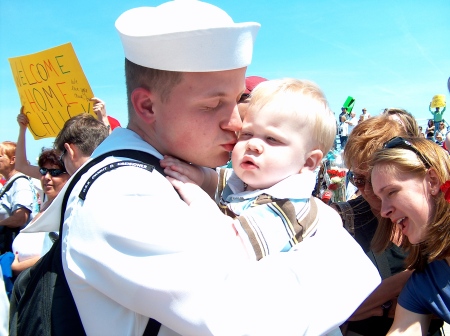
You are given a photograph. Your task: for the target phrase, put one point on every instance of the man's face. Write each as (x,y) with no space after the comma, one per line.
(199,121)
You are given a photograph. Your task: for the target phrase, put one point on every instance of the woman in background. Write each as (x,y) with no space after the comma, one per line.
(29,247)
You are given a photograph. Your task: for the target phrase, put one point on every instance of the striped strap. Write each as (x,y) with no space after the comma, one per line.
(298,228)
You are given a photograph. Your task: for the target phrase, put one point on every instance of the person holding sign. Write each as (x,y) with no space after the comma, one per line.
(134,250)
(99,108)
(438,104)
(81,134)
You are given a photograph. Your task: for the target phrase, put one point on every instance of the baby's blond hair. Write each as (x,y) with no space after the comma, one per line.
(304,99)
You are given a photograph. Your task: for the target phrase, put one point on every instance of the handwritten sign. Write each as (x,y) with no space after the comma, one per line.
(52,88)
(438,101)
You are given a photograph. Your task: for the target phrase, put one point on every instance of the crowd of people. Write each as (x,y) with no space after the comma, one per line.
(224,235)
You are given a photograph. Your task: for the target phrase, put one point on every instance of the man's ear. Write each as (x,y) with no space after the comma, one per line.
(71,151)
(142,100)
(313,159)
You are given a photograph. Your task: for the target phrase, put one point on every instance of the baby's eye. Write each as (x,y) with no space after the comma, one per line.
(272,139)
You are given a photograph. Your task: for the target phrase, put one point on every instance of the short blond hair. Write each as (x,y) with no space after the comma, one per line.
(8,148)
(289,95)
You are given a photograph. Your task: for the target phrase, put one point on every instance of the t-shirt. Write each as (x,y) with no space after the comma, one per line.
(32,244)
(428,292)
(21,195)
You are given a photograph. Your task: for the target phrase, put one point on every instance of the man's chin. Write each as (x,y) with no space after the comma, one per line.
(212,162)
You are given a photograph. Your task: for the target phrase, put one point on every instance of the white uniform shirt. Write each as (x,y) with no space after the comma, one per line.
(136,250)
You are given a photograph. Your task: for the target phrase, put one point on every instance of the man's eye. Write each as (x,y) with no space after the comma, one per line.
(245,135)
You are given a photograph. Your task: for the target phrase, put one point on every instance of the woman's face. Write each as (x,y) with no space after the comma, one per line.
(361,176)
(51,185)
(405,199)
(5,162)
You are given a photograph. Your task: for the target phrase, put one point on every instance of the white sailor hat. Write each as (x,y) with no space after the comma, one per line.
(186,36)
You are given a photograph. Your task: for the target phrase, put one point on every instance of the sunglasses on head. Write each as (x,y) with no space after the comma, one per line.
(399,142)
(52,172)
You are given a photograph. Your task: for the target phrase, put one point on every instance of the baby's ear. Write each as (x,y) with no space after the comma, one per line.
(313,160)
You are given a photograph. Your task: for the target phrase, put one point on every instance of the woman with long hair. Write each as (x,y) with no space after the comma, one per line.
(411,177)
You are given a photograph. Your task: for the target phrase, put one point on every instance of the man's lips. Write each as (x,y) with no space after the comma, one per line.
(229,146)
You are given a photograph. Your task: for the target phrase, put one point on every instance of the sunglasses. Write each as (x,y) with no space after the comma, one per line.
(358,182)
(399,142)
(52,172)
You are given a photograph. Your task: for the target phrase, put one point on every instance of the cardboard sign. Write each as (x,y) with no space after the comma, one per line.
(52,88)
(349,103)
(438,101)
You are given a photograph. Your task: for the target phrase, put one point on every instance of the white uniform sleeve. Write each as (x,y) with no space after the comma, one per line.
(138,251)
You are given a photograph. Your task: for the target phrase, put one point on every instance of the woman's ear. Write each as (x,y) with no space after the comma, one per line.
(313,159)
(433,181)
(142,100)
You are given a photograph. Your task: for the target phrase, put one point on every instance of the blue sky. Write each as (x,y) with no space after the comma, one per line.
(383,53)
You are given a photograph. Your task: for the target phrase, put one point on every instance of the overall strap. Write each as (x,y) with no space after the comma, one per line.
(153,326)
(128,153)
(298,227)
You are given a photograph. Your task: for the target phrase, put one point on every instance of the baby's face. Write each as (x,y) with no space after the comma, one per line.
(271,146)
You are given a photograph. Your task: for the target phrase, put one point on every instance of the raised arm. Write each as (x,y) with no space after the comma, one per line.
(22,163)
(100,110)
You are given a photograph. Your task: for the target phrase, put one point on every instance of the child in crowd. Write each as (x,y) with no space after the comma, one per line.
(286,131)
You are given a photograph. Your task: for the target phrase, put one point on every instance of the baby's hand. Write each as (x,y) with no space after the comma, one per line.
(175,168)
